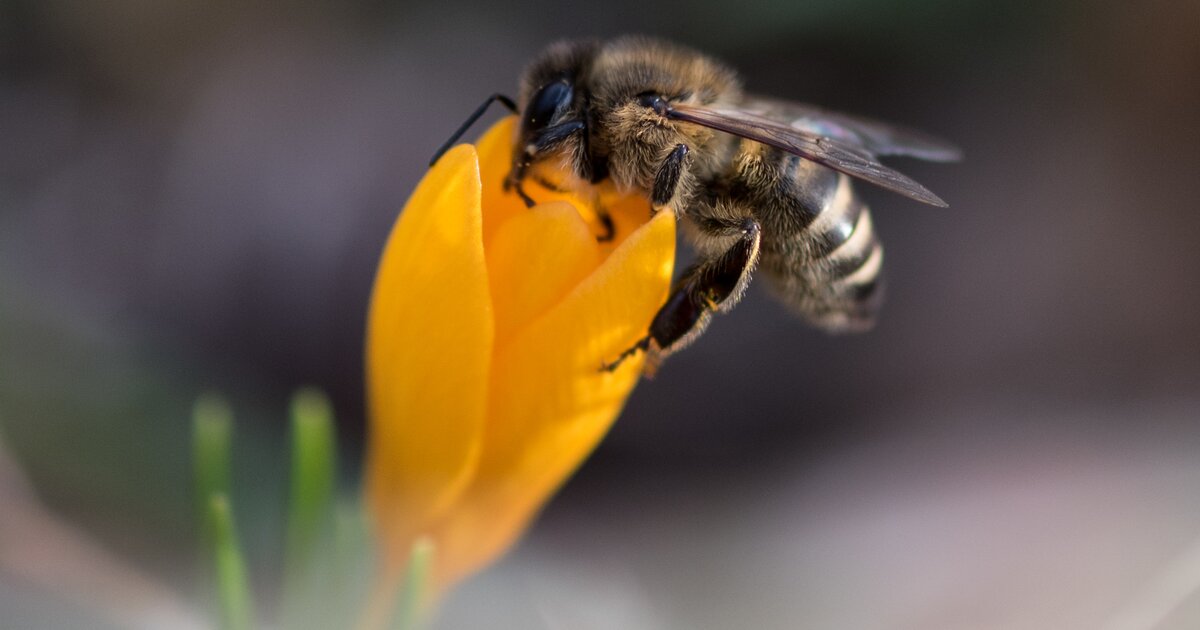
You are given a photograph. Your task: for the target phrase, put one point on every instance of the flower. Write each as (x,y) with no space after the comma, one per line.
(488,325)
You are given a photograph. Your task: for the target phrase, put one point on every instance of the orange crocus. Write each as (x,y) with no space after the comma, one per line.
(488,325)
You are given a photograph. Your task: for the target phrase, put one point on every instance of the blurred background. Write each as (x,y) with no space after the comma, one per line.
(194,194)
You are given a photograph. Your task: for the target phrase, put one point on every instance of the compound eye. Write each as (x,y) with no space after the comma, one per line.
(654,101)
(550,100)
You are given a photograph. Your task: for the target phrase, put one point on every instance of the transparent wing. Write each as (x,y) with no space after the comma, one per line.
(840,149)
(879,138)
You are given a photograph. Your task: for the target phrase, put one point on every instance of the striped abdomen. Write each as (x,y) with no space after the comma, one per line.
(827,266)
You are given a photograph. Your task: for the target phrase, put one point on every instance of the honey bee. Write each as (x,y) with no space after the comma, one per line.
(756,183)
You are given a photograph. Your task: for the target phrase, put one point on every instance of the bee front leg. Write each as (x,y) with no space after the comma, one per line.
(547,139)
(712,286)
(606,223)
(666,181)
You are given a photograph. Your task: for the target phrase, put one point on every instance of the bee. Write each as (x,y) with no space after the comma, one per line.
(758,184)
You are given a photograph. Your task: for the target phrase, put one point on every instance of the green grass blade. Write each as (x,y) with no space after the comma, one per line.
(314,469)
(310,508)
(233,586)
(212,437)
(411,609)
(351,566)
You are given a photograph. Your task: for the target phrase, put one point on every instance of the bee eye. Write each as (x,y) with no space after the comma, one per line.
(653,101)
(551,99)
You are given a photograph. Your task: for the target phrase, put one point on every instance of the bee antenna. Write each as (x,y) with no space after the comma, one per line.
(504,100)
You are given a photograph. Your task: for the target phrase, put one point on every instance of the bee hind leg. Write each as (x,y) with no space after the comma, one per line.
(711,286)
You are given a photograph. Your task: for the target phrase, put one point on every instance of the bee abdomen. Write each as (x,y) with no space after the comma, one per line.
(836,222)
(854,277)
(830,272)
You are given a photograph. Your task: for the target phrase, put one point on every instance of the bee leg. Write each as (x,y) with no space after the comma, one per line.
(606,222)
(529,202)
(642,344)
(547,184)
(514,182)
(711,286)
(666,181)
(546,140)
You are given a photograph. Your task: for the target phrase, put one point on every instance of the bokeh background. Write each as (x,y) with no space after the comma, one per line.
(194,193)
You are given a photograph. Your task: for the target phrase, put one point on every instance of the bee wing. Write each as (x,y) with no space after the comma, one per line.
(877,137)
(839,154)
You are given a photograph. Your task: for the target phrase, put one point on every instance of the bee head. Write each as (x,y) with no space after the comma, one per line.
(599,110)
(550,125)
(553,111)
(633,82)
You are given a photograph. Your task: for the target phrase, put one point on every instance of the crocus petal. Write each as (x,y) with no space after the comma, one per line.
(534,259)
(495,149)
(429,348)
(628,213)
(495,158)
(489,324)
(550,403)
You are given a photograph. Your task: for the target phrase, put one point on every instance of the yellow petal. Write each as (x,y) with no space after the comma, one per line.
(429,347)
(628,213)
(495,149)
(495,159)
(486,336)
(549,402)
(535,258)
